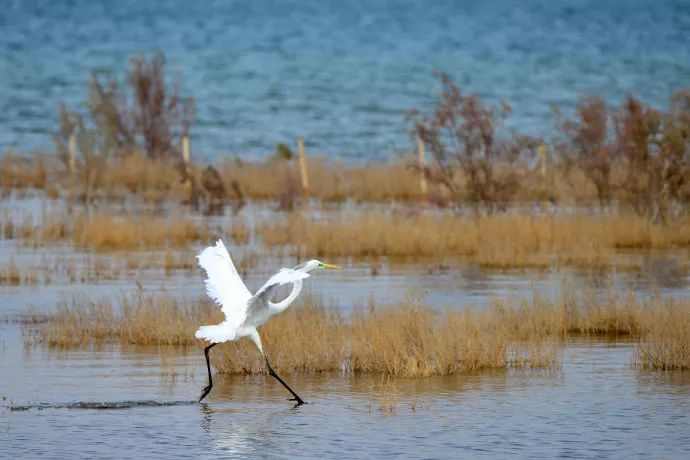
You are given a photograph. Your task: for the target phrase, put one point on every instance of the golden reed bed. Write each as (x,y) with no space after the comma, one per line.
(510,240)
(500,241)
(330,181)
(406,339)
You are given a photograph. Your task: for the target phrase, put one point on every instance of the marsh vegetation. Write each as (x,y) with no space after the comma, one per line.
(122,199)
(406,338)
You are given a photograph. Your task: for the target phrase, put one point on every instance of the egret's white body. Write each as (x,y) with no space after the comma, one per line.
(245,312)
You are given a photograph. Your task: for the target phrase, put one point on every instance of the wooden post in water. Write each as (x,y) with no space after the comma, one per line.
(422,166)
(186,154)
(72,152)
(303,166)
(543,157)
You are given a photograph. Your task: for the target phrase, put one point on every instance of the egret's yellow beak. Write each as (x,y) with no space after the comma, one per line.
(331,267)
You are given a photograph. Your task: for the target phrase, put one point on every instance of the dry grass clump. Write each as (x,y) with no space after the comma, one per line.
(12,275)
(148,179)
(49,229)
(138,319)
(329,181)
(660,326)
(665,342)
(378,182)
(407,339)
(495,240)
(105,232)
(413,340)
(572,314)
(307,338)
(17,171)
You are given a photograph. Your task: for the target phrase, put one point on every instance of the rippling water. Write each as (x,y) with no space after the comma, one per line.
(596,406)
(140,402)
(339,73)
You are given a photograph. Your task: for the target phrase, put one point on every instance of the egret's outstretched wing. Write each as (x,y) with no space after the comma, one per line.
(284,276)
(223,283)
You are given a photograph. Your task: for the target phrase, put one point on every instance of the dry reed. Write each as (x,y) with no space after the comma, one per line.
(17,171)
(494,241)
(102,232)
(408,339)
(153,181)
(665,344)
(12,275)
(138,319)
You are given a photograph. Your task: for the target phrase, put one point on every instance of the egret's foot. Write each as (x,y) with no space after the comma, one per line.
(298,400)
(204,392)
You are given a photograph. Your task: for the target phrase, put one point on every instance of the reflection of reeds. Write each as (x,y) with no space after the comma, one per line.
(386,395)
(495,241)
(408,339)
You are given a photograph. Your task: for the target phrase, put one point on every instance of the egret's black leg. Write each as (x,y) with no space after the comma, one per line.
(295,397)
(207,389)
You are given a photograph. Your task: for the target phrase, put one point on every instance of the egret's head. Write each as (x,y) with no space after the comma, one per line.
(312,265)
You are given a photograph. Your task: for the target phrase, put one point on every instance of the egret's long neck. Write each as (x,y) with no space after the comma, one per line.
(282,305)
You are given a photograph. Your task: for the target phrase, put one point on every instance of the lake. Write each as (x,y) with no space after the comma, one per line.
(341,74)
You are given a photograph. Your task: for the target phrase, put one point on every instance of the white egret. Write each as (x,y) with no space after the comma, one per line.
(243,311)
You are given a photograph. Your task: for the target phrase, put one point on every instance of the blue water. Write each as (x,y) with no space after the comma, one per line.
(339,73)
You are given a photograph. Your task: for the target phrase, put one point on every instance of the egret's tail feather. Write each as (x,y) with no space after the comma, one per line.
(216,333)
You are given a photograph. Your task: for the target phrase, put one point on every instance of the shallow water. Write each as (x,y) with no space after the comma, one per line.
(138,404)
(112,402)
(140,401)
(341,74)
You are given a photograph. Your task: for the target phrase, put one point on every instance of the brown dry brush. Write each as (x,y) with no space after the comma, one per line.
(585,144)
(636,153)
(146,117)
(407,339)
(655,148)
(468,145)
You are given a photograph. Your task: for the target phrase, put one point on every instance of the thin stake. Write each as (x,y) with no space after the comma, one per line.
(303,166)
(543,157)
(186,154)
(422,163)
(72,151)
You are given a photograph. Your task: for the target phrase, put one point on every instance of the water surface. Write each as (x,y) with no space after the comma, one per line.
(341,74)
(595,406)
